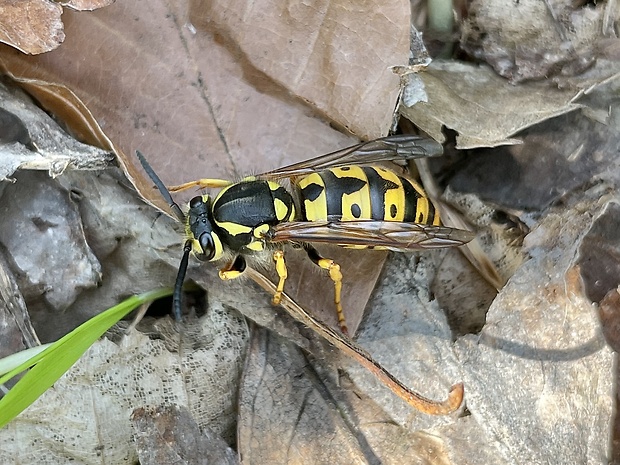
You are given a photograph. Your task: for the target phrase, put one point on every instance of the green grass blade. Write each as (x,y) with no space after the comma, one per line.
(16,360)
(54,361)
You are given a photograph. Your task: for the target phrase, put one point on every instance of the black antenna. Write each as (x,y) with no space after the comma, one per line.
(187,248)
(161,187)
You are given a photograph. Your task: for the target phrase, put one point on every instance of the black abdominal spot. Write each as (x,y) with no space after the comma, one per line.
(356,211)
(393,211)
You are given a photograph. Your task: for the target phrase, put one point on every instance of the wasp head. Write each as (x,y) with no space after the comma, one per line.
(206,244)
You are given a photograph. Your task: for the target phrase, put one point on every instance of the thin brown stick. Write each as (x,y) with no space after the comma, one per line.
(419,402)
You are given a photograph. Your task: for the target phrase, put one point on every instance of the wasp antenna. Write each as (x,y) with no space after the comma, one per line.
(178,284)
(161,187)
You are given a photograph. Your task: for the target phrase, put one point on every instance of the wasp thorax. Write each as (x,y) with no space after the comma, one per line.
(206,244)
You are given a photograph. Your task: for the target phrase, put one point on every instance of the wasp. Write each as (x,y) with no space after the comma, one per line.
(344,197)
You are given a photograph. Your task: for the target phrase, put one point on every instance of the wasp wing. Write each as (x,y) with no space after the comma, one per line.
(392,148)
(392,235)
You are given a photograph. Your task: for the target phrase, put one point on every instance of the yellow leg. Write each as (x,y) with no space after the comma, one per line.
(336,276)
(278,257)
(201,183)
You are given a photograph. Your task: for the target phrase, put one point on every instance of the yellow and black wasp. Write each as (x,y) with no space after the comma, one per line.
(343,198)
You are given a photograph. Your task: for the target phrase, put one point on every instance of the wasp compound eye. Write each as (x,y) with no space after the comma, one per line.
(195,202)
(207,245)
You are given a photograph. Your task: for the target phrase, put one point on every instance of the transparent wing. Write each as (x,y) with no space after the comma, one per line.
(385,234)
(392,148)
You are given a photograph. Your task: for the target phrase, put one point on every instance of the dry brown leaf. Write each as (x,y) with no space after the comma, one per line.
(86,5)
(334,55)
(34,26)
(291,411)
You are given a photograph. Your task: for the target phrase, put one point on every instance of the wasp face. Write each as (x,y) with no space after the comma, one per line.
(206,245)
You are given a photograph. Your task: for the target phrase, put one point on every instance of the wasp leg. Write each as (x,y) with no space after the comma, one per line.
(201,183)
(278,257)
(234,269)
(336,276)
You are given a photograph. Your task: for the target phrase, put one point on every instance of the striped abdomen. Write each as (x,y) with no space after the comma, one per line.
(355,193)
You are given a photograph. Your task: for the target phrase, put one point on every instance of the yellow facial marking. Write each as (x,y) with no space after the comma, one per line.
(219,249)
(256,246)
(234,229)
(261,230)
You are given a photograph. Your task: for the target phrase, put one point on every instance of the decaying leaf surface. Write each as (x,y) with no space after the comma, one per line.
(89,408)
(51,222)
(538,40)
(522,374)
(291,411)
(35,26)
(168,434)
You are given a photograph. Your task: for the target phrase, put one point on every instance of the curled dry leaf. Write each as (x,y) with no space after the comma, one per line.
(33,140)
(483,108)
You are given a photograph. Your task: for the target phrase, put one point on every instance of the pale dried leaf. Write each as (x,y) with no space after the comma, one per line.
(526,379)
(483,108)
(531,39)
(291,408)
